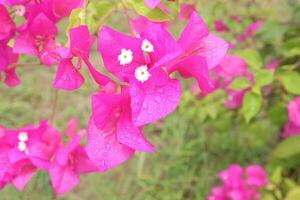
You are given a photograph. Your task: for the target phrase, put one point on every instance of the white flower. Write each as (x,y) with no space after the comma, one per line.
(141,73)
(23,136)
(125,57)
(22,146)
(147,46)
(20,10)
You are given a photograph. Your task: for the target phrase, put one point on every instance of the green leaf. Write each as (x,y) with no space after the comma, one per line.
(287,148)
(290,81)
(278,114)
(97,12)
(153,14)
(76,18)
(263,77)
(294,194)
(251,105)
(252,57)
(240,83)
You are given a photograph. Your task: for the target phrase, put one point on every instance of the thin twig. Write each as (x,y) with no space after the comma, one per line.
(127,17)
(102,20)
(27,64)
(54,106)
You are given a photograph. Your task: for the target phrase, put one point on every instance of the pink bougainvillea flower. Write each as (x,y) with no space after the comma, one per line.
(153,94)
(7,60)
(240,184)
(70,161)
(294,111)
(152,3)
(11,78)
(113,137)
(186,10)
(68,76)
(237,18)
(256,176)
(290,129)
(220,26)
(24,151)
(34,38)
(141,23)
(201,50)
(273,64)
(64,8)
(251,30)
(196,40)
(6,23)
(230,68)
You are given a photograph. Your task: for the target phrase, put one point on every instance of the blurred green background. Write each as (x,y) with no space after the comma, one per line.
(192,144)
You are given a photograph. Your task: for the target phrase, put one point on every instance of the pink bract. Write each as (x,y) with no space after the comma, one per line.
(70,161)
(152,3)
(186,10)
(294,111)
(240,184)
(24,151)
(150,102)
(220,26)
(111,129)
(6,23)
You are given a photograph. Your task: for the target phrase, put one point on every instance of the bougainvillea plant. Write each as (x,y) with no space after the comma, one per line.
(139,85)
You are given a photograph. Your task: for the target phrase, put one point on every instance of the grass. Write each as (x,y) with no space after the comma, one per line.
(199,139)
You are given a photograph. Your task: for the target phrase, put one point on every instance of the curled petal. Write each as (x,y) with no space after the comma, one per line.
(67,76)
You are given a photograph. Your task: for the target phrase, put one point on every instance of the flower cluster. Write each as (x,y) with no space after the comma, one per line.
(26,150)
(34,37)
(239,183)
(145,90)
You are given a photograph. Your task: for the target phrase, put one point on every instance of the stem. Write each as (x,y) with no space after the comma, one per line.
(54,106)
(26,64)
(127,17)
(102,20)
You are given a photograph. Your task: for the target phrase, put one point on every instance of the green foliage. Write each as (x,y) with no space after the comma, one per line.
(240,83)
(290,81)
(252,104)
(76,18)
(153,14)
(293,194)
(288,148)
(252,57)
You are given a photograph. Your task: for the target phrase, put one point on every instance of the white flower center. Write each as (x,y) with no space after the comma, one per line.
(125,57)
(23,136)
(147,46)
(20,10)
(22,146)
(141,73)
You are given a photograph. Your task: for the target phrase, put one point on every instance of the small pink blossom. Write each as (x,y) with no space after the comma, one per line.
(186,10)
(220,26)
(25,150)
(6,23)
(70,161)
(113,137)
(240,184)
(7,61)
(290,129)
(294,111)
(251,30)
(68,76)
